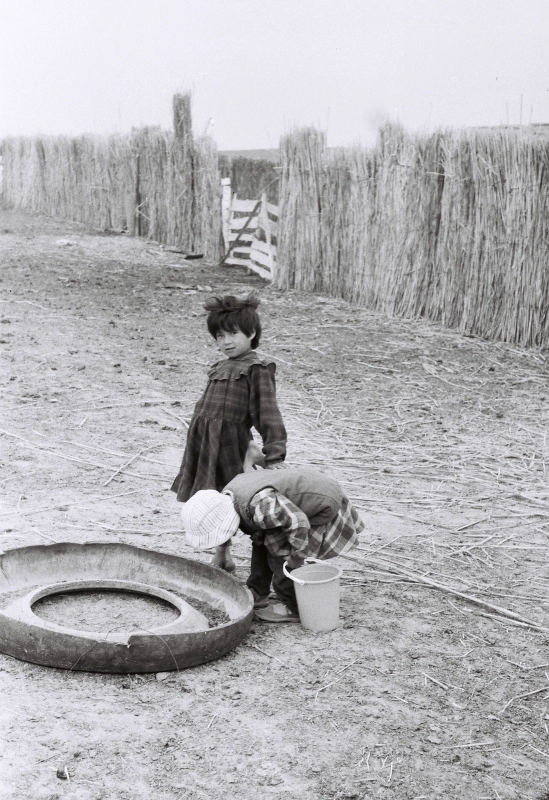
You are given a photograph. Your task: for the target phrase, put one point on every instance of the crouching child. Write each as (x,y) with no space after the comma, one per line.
(290,515)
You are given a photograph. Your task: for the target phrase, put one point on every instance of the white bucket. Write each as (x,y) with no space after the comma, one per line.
(317,594)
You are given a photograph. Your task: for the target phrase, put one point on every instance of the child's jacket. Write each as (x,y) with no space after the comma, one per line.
(317,495)
(295,513)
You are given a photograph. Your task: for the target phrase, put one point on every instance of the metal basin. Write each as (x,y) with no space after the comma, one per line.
(45,570)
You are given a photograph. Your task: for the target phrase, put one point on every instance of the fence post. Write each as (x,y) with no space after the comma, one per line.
(137,196)
(226,210)
(265,224)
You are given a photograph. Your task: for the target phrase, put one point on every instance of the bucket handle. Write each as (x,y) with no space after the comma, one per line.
(307,561)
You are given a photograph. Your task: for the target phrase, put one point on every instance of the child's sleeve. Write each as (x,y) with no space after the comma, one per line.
(287,527)
(265,414)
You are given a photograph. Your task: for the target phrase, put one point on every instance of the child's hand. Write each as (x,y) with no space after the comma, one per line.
(276,465)
(254,458)
(223,558)
(294,562)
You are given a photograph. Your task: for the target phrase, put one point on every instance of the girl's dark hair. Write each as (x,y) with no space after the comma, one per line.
(229,313)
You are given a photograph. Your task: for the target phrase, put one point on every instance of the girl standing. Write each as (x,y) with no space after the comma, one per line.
(240,394)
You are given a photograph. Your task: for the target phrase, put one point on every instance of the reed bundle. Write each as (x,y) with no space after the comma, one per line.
(180,175)
(207,222)
(150,147)
(299,250)
(404,222)
(345,228)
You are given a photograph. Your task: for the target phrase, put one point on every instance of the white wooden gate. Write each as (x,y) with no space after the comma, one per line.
(250,229)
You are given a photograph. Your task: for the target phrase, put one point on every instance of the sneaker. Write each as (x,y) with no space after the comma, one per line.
(277,612)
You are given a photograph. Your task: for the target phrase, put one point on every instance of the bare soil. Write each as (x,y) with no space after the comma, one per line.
(441,441)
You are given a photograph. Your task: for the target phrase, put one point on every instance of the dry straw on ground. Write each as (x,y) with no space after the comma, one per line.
(439,439)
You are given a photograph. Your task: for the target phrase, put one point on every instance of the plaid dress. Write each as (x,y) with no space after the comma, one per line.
(241,394)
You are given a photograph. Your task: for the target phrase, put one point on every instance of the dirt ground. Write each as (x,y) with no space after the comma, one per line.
(441,441)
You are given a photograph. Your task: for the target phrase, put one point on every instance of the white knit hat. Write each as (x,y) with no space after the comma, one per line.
(209,519)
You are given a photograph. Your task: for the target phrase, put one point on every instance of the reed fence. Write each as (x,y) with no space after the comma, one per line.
(453,227)
(153,183)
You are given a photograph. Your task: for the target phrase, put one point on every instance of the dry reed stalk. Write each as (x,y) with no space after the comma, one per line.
(299,250)
(152,200)
(423,579)
(207,229)
(180,199)
(335,227)
(358,267)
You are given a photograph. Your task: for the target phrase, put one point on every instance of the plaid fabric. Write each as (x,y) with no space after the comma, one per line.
(288,530)
(220,430)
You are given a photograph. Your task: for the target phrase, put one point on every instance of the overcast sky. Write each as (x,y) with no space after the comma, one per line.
(259,67)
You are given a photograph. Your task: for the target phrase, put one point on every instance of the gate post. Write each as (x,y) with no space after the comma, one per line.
(226,210)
